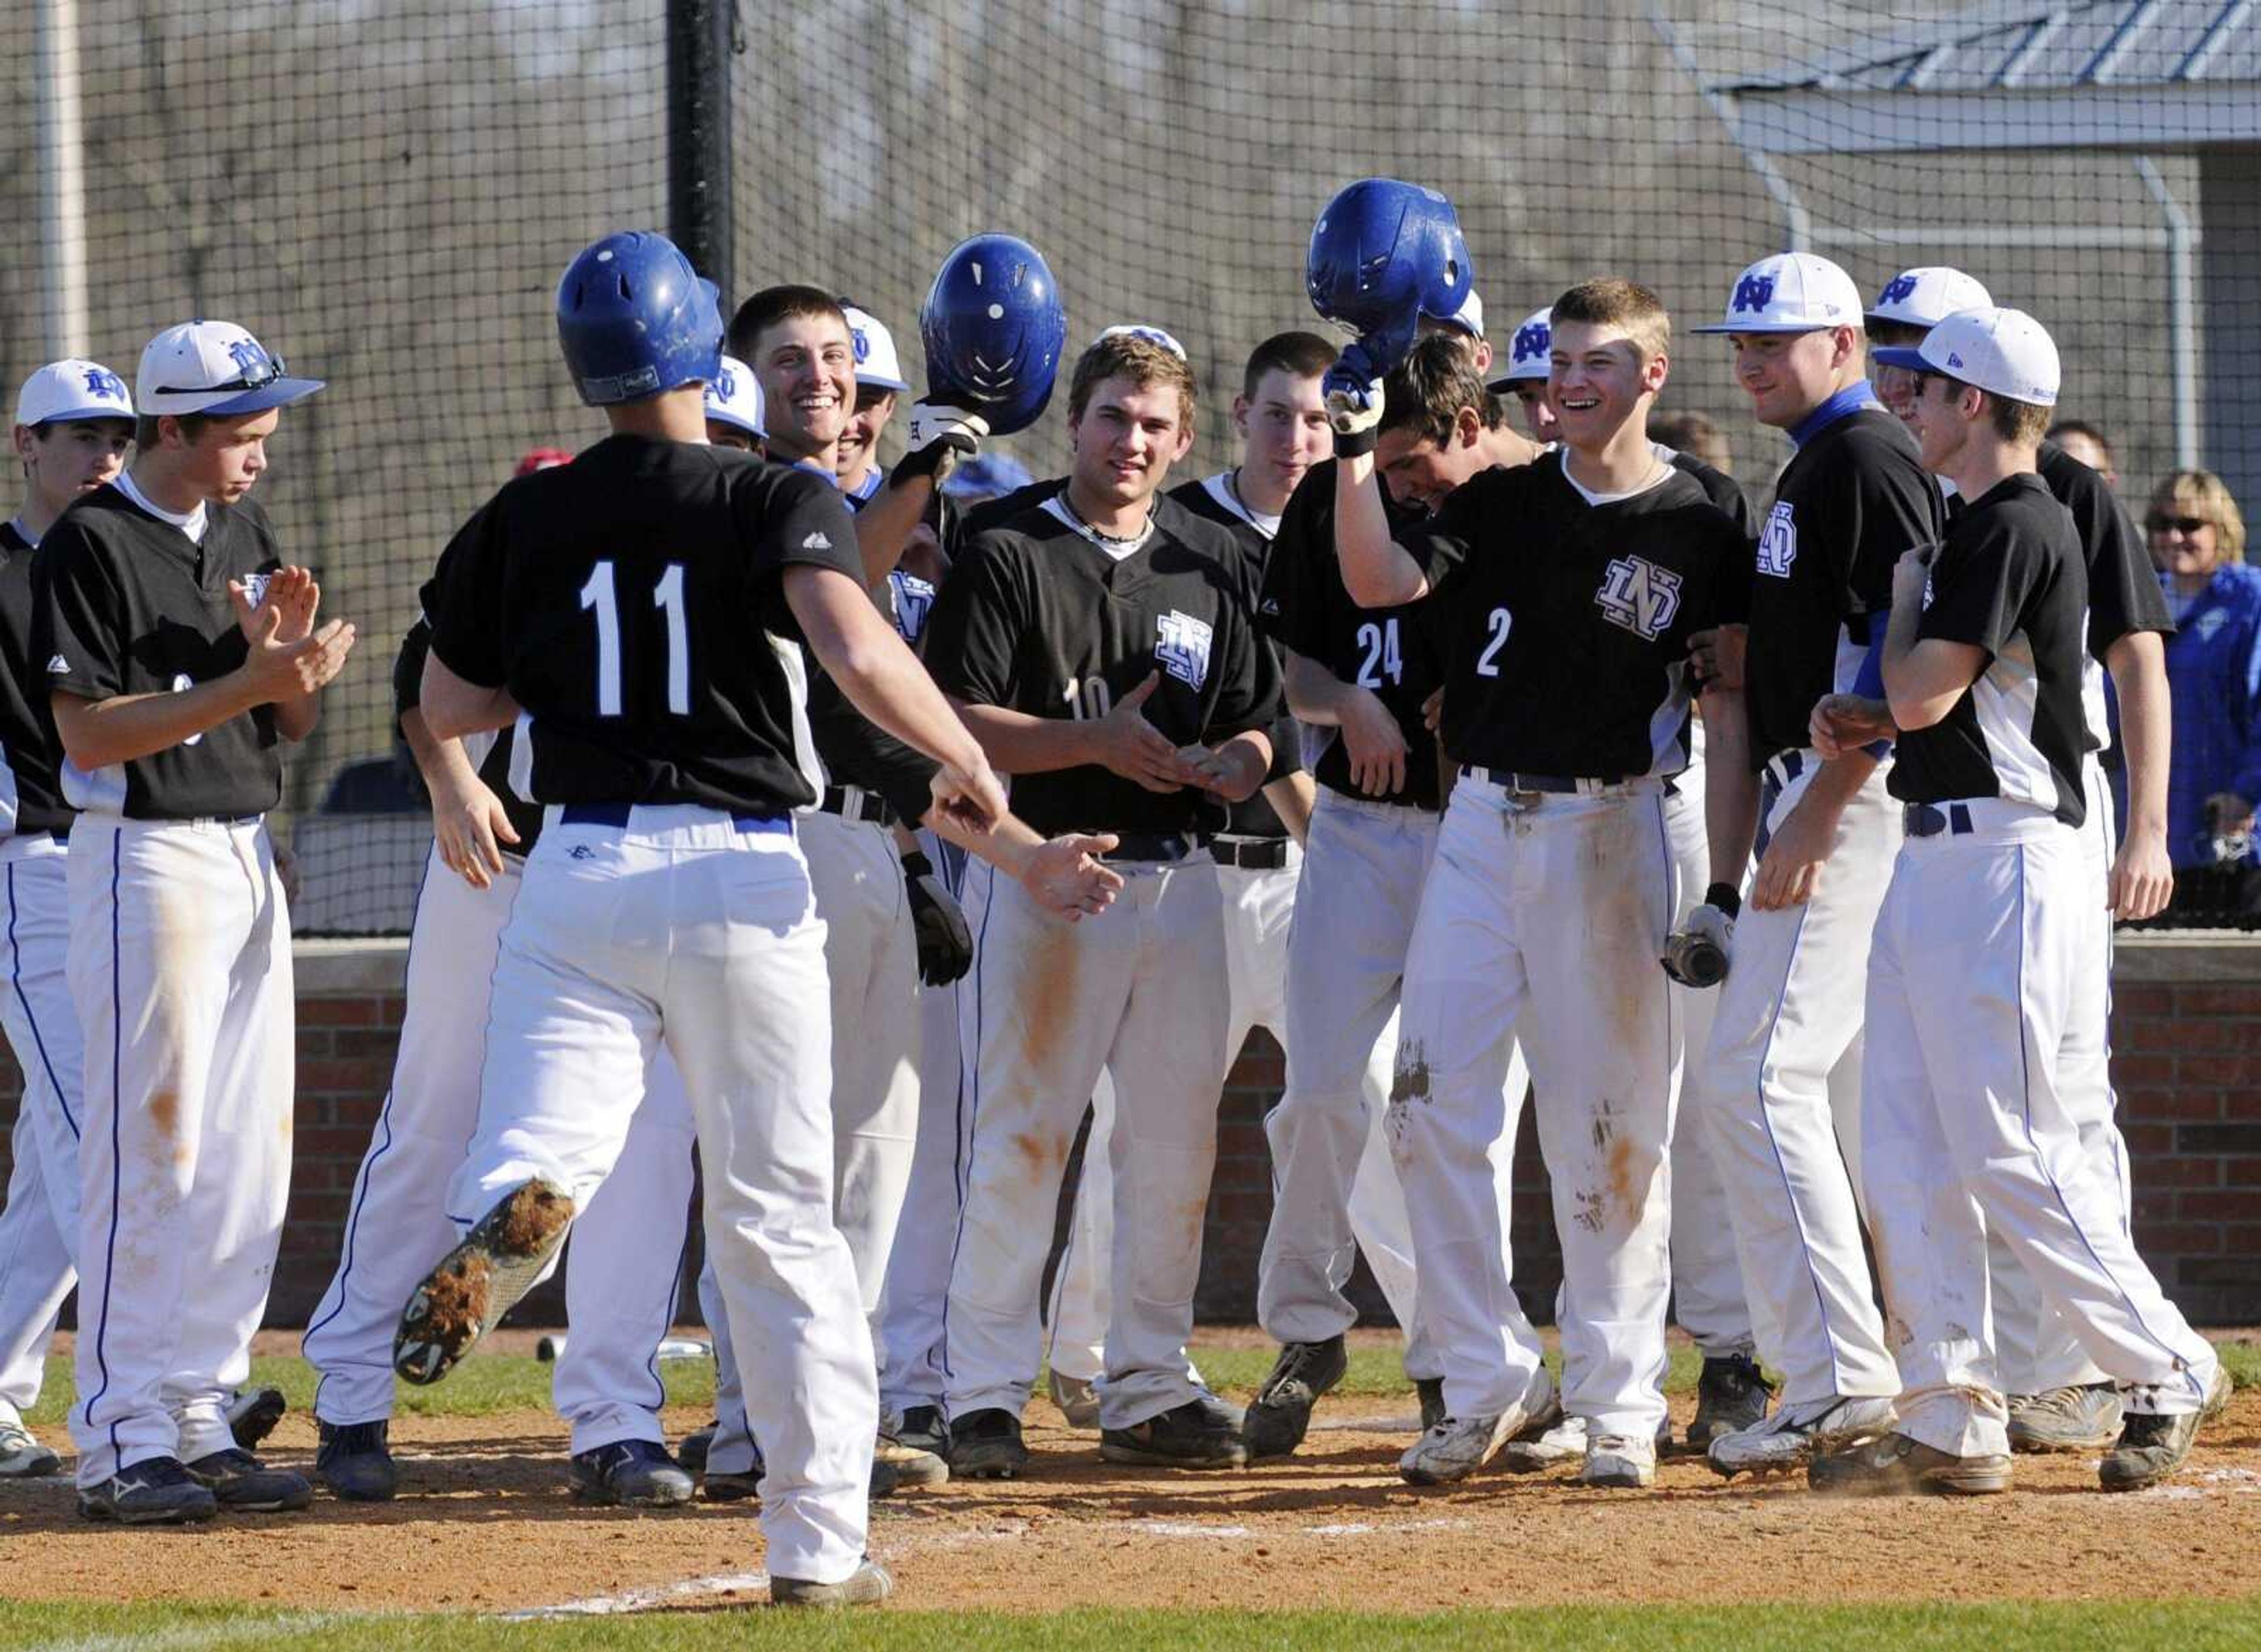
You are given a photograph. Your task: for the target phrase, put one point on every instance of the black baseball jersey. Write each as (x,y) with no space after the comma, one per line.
(1212,500)
(2009,579)
(1720,488)
(1037,619)
(1567,621)
(127,603)
(1392,651)
(30,788)
(622,598)
(2123,586)
(490,753)
(1852,499)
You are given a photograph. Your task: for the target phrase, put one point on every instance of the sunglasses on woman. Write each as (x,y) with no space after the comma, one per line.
(2176,524)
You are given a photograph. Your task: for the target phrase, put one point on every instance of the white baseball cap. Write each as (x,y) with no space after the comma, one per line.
(876,361)
(2004,353)
(1927,295)
(1140,330)
(72,389)
(1470,317)
(734,396)
(1531,352)
(213,367)
(1790,292)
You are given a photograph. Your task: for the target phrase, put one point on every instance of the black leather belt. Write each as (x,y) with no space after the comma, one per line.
(1164,847)
(1251,854)
(1929,820)
(853,802)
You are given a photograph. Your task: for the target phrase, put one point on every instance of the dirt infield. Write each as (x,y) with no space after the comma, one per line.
(484,1525)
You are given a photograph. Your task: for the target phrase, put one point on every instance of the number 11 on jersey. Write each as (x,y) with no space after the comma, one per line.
(602,594)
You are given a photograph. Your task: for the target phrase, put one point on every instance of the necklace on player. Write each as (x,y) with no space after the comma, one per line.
(1106,541)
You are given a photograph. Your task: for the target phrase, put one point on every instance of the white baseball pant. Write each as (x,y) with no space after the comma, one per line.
(871,963)
(1779,1092)
(38,1224)
(1514,875)
(1707,1280)
(626,1247)
(180,968)
(910,1334)
(2037,1347)
(1966,1129)
(690,928)
(1137,991)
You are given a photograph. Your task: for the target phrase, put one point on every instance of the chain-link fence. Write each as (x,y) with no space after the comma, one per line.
(385,191)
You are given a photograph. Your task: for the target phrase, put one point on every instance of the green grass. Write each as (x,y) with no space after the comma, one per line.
(2082,1627)
(488,1383)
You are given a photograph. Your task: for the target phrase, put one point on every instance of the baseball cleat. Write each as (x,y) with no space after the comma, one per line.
(23,1457)
(1562,1441)
(1620,1462)
(481,1280)
(1458,1447)
(691,1454)
(1430,1391)
(1796,1435)
(354,1461)
(158,1492)
(242,1484)
(986,1445)
(629,1474)
(867,1586)
(1204,1432)
(252,1414)
(2150,1449)
(1078,1399)
(1896,1465)
(1732,1395)
(923,1429)
(2083,1417)
(1281,1414)
(913,1465)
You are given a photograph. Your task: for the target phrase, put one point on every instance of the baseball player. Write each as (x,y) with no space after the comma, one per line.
(1974,967)
(2060,1400)
(180,652)
(1572,584)
(1529,360)
(733,410)
(1100,646)
(620,1287)
(74,423)
(879,379)
(1782,1060)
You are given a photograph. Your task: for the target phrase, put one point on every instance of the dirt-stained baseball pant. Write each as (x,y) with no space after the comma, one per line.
(1966,1129)
(1781,1104)
(909,1333)
(2036,1348)
(870,959)
(626,1249)
(1138,991)
(180,968)
(1707,1279)
(694,928)
(38,1225)
(1515,873)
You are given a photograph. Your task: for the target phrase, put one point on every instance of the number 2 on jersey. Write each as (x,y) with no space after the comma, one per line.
(602,594)
(1487,662)
(1382,658)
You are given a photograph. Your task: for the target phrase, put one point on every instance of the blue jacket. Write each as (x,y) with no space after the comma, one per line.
(2214,674)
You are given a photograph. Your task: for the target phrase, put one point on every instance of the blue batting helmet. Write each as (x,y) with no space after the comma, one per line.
(1384,254)
(634,318)
(994,329)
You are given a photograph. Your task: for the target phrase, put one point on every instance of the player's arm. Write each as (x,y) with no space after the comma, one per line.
(1122,741)
(2143,874)
(1376,570)
(1233,768)
(454,705)
(1372,739)
(1731,790)
(1924,677)
(1064,874)
(1292,797)
(885,681)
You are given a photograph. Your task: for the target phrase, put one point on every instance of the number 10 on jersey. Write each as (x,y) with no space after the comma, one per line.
(602,594)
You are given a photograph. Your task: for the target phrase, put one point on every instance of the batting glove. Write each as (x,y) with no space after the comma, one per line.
(1699,952)
(938,437)
(945,945)
(1354,399)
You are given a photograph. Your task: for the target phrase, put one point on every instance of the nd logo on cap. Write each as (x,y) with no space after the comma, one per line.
(1790,292)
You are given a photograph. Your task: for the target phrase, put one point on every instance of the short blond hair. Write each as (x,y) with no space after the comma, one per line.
(2203,494)
(1628,305)
(1140,359)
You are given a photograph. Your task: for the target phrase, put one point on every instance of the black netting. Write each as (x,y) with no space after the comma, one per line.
(385,191)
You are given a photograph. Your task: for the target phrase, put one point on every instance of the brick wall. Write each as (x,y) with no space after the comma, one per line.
(2186,1029)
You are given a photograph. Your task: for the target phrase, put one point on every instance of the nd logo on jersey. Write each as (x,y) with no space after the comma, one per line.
(1779,543)
(1181,646)
(1639,596)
